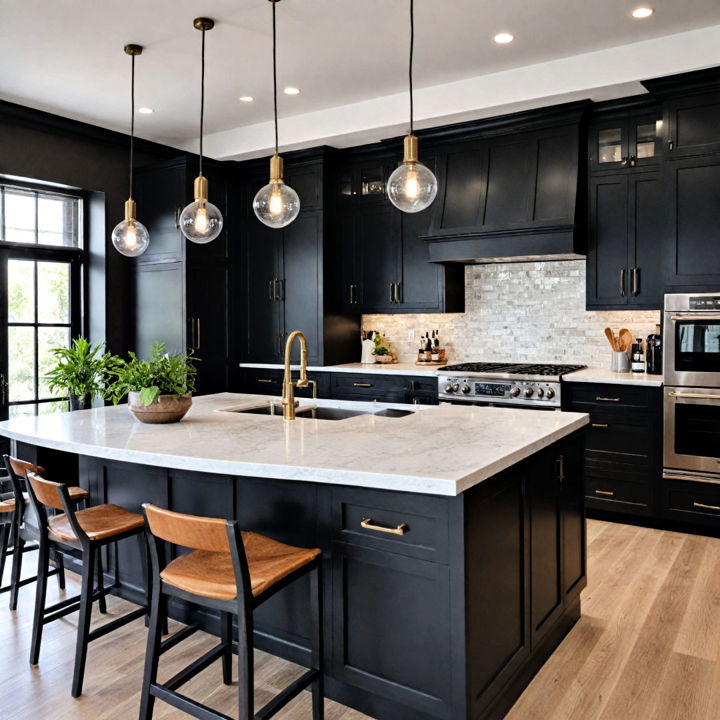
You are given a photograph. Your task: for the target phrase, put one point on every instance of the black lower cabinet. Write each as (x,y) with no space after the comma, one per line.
(694,503)
(448,619)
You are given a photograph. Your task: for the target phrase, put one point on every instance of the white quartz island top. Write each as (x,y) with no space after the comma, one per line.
(603,375)
(379,368)
(436,450)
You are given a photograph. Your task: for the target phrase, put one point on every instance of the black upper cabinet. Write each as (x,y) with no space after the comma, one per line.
(624,143)
(181,287)
(692,124)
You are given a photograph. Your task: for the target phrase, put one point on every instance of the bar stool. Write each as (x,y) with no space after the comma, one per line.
(234,573)
(24,531)
(83,533)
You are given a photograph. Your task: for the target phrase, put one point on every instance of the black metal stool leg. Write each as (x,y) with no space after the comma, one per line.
(4,543)
(316,611)
(60,560)
(246,676)
(102,605)
(158,615)
(40,593)
(83,630)
(16,571)
(226,636)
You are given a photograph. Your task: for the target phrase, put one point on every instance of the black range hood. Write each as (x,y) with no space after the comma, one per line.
(510,190)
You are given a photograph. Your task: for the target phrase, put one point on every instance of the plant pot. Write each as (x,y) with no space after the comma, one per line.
(79,402)
(165,408)
(384,359)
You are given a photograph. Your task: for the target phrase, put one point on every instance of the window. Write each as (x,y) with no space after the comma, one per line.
(41,261)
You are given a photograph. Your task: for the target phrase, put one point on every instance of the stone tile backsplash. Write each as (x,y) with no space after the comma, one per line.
(525,312)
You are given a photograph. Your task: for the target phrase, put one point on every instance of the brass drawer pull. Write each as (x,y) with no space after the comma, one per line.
(706,507)
(606,399)
(602,426)
(362,384)
(401,529)
(263,380)
(609,493)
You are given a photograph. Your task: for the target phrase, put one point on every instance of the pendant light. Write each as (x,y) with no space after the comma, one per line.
(131,237)
(277,204)
(412,186)
(201,222)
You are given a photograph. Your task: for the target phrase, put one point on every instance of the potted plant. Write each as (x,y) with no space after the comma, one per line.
(382,353)
(159,390)
(82,371)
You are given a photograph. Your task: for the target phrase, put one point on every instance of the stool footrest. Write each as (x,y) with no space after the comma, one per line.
(194,668)
(288,694)
(177,637)
(27,581)
(117,623)
(187,705)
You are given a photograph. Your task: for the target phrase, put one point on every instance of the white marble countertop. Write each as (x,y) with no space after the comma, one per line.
(436,450)
(381,368)
(603,375)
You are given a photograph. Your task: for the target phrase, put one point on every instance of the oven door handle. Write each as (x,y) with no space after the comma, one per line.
(694,396)
(716,317)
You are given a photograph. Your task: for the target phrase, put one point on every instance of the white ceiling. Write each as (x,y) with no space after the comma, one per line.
(349,57)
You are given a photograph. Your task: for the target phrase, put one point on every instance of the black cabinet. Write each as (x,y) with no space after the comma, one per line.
(692,123)
(628,219)
(181,288)
(385,261)
(624,142)
(623,451)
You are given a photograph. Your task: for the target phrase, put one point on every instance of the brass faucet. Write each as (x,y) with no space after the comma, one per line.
(289,385)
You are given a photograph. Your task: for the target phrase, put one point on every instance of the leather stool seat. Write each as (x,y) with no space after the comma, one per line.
(98,522)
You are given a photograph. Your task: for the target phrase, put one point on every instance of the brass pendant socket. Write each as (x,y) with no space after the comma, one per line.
(203,23)
(132,49)
(276,169)
(130,210)
(411,149)
(201,188)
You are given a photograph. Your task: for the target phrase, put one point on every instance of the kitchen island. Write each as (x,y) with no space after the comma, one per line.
(453,537)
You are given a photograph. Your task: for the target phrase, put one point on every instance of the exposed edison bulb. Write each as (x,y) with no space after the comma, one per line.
(201,222)
(130,237)
(412,187)
(277,204)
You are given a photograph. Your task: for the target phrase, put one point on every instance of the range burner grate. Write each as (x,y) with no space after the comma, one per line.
(514,368)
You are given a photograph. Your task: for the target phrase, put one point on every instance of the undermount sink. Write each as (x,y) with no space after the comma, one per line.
(319,413)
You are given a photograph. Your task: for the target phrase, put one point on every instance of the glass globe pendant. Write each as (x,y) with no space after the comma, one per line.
(130,237)
(412,186)
(277,204)
(200,221)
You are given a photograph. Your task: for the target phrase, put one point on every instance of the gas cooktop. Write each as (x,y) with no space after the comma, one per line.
(496,369)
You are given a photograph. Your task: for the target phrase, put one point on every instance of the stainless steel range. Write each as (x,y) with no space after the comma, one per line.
(509,384)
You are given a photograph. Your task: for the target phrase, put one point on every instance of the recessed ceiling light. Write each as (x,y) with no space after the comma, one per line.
(504,38)
(246,98)
(146,111)
(291,91)
(642,12)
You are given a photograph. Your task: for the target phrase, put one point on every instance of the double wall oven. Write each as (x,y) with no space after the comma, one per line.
(691,374)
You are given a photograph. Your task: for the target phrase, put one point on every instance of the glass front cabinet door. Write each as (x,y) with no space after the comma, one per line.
(624,143)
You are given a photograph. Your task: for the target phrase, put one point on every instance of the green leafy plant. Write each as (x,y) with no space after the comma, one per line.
(380,349)
(82,369)
(163,374)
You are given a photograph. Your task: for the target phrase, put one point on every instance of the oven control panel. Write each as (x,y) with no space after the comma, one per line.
(505,392)
(705,302)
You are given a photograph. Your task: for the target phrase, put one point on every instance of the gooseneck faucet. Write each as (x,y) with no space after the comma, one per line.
(289,385)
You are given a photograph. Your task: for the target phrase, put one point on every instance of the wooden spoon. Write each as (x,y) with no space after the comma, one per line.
(626,339)
(611,338)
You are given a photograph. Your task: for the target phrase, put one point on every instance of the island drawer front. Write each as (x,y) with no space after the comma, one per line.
(688,501)
(584,397)
(383,388)
(412,525)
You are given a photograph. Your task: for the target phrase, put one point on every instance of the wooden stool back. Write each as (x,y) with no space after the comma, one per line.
(190,531)
(47,492)
(17,471)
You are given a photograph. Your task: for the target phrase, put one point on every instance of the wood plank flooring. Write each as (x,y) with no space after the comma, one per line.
(647,646)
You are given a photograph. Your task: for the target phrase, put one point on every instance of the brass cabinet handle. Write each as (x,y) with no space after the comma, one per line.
(178,212)
(368,524)
(362,384)
(192,333)
(696,396)
(609,493)
(599,398)
(635,288)
(198,339)
(622,282)
(706,507)
(397,293)
(352,302)
(603,426)
(265,380)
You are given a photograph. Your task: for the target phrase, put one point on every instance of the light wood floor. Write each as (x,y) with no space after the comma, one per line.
(647,646)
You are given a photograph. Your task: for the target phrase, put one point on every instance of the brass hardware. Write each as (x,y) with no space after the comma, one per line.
(624,161)
(200,189)
(265,380)
(633,161)
(132,49)
(691,478)
(634,281)
(694,396)
(130,210)
(410,147)
(561,469)
(362,384)
(396,293)
(192,333)
(203,23)
(199,339)
(178,212)
(276,169)
(606,399)
(694,317)
(622,282)
(314,388)
(609,493)
(289,385)
(706,507)
(368,524)
(352,302)
(604,426)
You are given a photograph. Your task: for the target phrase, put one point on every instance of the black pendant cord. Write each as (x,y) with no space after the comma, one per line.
(274,44)
(412,45)
(132,122)
(202,98)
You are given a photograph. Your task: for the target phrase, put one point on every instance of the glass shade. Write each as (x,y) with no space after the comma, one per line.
(412,187)
(276,205)
(201,222)
(130,238)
